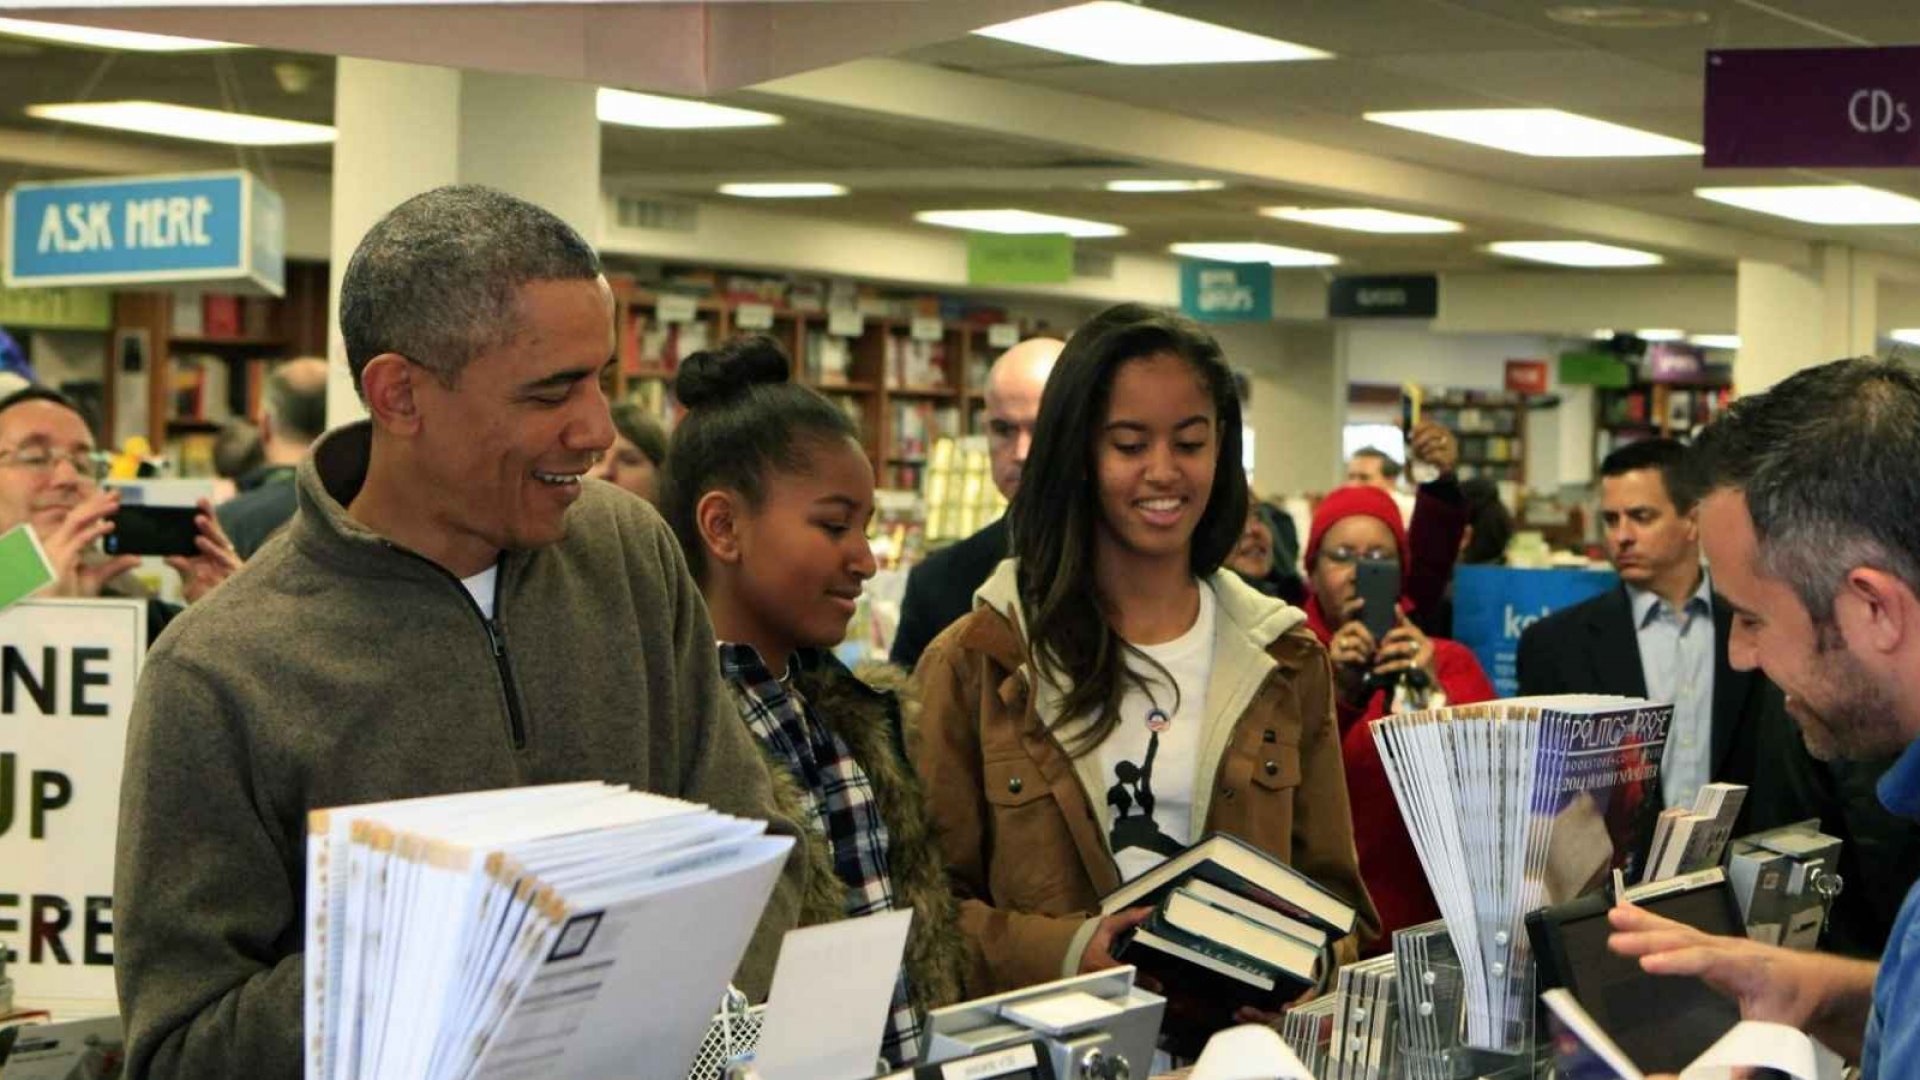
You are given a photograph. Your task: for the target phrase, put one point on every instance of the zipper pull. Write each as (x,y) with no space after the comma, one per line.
(493,638)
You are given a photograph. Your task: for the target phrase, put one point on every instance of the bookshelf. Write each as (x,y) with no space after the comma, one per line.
(906,382)
(1492,428)
(1645,410)
(204,356)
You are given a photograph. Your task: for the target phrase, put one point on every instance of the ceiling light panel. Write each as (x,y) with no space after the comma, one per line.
(1909,336)
(1821,204)
(1122,33)
(1152,187)
(1363,219)
(784,190)
(1538,132)
(182,122)
(1715,341)
(1018,222)
(1271,254)
(630,109)
(95,37)
(1660,334)
(1574,253)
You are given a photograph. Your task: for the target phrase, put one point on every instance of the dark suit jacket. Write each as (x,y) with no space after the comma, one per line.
(940,590)
(1592,648)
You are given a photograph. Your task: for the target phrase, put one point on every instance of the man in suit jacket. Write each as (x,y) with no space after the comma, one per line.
(940,590)
(1662,633)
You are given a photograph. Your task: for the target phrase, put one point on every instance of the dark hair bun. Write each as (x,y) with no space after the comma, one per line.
(715,376)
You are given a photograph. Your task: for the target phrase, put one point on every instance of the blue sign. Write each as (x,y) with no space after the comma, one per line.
(223,227)
(1226,292)
(1494,605)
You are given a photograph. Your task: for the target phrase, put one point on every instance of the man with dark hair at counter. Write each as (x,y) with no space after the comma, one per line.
(1661,633)
(1812,523)
(452,609)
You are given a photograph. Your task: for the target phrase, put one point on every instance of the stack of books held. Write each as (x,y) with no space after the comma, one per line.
(1514,805)
(1687,840)
(1231,926)
(572,930)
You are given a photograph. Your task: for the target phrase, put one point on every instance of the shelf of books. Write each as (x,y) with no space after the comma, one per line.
(203,358)
(907,377)
(1646,410)
(1492,428)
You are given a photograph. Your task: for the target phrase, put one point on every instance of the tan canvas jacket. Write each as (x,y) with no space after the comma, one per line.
(1025,843)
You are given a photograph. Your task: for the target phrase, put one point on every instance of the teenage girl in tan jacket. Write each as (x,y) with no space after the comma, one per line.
(1112,696)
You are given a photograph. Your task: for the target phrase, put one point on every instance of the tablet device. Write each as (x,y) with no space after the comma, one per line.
(1662,1022)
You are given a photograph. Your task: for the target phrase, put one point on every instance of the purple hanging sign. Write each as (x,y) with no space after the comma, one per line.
(1788,108)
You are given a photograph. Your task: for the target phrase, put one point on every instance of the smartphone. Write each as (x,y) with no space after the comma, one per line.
(153,530)
(1377,583)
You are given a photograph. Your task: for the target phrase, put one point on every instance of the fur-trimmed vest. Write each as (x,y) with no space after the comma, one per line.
(872,711)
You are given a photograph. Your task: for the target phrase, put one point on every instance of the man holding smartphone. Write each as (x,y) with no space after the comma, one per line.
(50,473)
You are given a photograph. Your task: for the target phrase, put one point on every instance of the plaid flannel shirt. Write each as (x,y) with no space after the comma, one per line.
(839,800)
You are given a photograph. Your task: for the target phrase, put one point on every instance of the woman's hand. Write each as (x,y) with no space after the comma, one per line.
(1404,649)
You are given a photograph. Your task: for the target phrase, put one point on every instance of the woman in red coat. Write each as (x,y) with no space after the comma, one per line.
(1403,670)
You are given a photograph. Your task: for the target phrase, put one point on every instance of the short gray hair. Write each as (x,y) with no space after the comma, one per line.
(437,279)
(1825,460)
(296,399)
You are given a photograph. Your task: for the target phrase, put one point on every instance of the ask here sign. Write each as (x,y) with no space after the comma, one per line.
(197,227)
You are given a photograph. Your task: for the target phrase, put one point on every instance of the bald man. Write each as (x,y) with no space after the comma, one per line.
(293,415)
(940,590)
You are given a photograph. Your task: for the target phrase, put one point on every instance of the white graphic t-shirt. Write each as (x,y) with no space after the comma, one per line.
(1150,758)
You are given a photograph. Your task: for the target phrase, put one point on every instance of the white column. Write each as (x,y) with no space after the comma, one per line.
(1789,319)
(405,129)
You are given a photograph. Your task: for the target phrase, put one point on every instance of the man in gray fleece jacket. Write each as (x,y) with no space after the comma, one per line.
(452,608)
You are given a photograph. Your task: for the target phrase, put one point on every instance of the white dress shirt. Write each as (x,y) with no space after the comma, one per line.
(1676,656)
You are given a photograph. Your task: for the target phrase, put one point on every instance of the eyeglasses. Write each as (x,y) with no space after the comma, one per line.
(91,464)
(1347,556)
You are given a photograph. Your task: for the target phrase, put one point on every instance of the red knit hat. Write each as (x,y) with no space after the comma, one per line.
(1352,501)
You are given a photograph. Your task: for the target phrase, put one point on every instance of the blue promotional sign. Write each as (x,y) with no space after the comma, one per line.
(1494,605)
(223,227)
(1226,292)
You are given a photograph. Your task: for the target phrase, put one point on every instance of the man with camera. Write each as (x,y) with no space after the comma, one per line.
(1810,525)
(50,473)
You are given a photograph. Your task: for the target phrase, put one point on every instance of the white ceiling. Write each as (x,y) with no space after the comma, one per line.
(1390,54)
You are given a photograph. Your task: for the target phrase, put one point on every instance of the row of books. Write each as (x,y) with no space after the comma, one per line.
(1685,840)
(1475,421)
(917,425)
(828,358)
(1489,449)
(221,315)
(915,364)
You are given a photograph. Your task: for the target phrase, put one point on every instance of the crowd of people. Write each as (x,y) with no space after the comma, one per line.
(473,588)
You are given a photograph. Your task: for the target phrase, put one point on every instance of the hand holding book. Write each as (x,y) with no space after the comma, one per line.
(1114,928)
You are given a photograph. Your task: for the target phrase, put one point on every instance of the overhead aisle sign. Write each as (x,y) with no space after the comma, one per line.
(67,674)
(1226,292)
(222,228)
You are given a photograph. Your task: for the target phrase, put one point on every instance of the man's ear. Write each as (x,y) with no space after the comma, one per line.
(719,517)
(389,383)
(1878,610)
